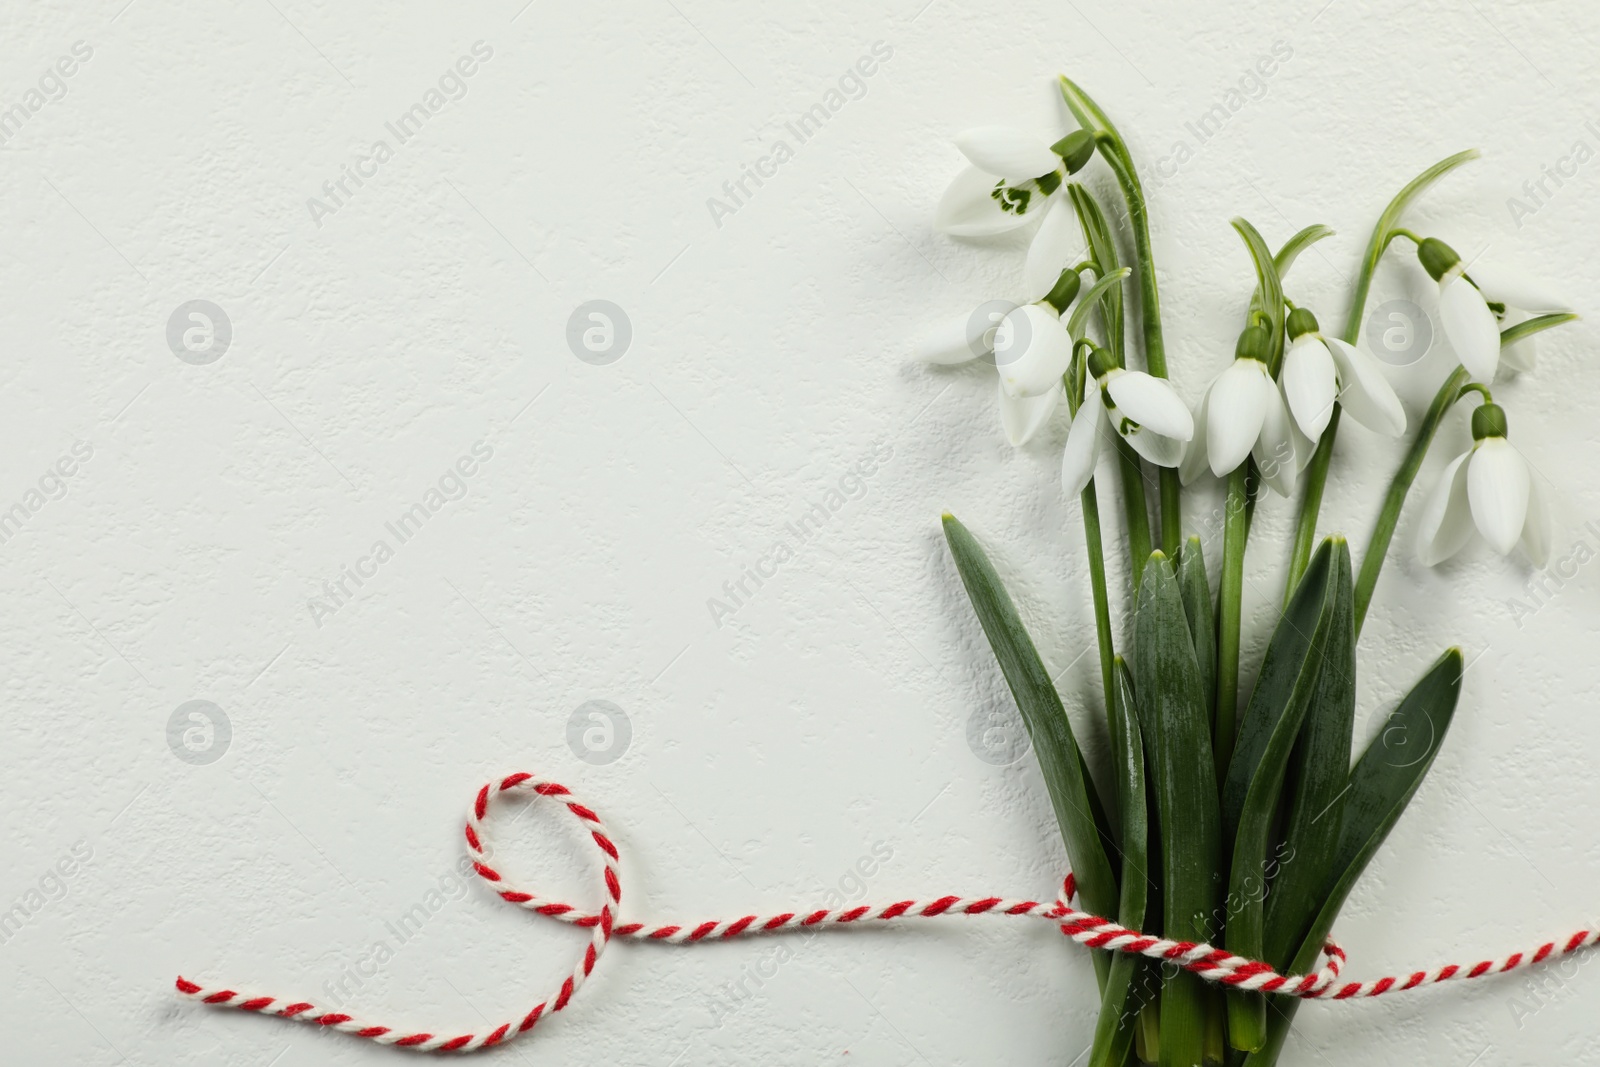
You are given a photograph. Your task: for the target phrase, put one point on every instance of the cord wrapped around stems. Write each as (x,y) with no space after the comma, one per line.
(1091,931)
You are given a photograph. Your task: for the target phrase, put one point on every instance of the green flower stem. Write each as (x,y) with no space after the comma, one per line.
(1243,488)
(1133,506)
(1102,604)
(1106,263)
(1386,230)
(1155,351)
(1389,517)
(1115,153)
(1305,531)
(1235,532)
(1147,1038)
(1094,545)
(1305,534)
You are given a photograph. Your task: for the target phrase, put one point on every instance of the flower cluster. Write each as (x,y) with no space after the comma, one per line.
(1212,769)
(1274,403)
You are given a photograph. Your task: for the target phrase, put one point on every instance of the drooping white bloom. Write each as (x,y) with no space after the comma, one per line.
(1488,487)
(1242,414)
(1031,350)
(1143,409)
(1310,383)
(1470,325)
(1523,298)
(1057,244)
(1319,370)
(1011,178)
(1364,392)
(1022,417)
(1006,152)
(1472,305)
(974,336)
(960,339)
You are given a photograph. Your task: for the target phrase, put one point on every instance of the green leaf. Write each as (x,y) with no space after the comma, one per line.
(1381,785)
(1202,616)
(1289,253)
(1115,1028)
(1114,150)
(1320,772)
(1299,243)
(1103,250)
(1387,776)
(1177,735)
(1097,809)
(1281,670)
(1266,740)
(1044,716)
(1269,287)
(1107,288)
(1383,233)
(1085,110)
(1513,334)
(1419,185)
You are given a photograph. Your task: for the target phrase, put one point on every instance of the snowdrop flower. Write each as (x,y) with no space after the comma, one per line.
(1242,414)
(1523,299)
(1012,178)
(1143,409)
(1319,370)
(1471,306)
(1488,487)
(1031,349)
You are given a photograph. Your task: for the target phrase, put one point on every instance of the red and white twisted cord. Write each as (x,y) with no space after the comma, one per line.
(1092,931)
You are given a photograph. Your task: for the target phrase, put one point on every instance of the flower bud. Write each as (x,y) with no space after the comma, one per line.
(1100,363)
(1301,322)
(1065,291)
(1488,420)
(1254,343)
(1076,149)
(1437,258)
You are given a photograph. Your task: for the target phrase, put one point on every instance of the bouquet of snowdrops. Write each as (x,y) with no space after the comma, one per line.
(1234,819)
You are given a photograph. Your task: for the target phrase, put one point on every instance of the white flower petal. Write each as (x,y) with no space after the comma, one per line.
(1519,356)
(956,340)
(1057,246)
(1445,522)
(1021,417)
(1310,384)
(1304,447)
(1007,152)
(1031,350)
(1238,408)
(1470,326)
(1151,402)
(1497,488)
(1515,289)
(1194,457)
(969,209)
(1159,449)
(1364,392)
(1277,452)
(1083,443)
(1540,528)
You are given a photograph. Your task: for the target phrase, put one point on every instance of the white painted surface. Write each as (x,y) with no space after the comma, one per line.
(428,313)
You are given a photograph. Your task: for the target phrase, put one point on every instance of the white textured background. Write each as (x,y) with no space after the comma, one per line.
(830,714)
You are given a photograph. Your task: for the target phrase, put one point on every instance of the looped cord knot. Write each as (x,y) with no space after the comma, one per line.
(1092,931)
